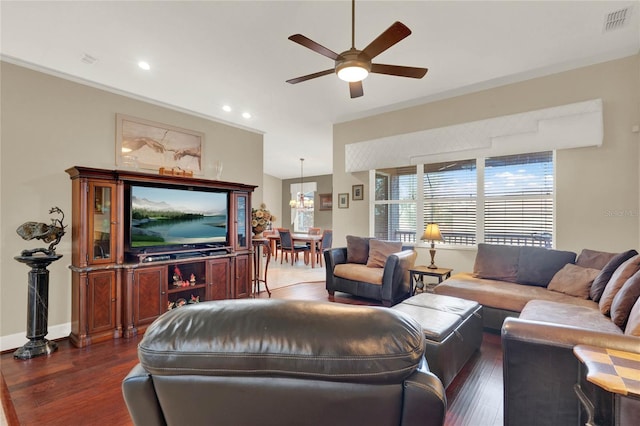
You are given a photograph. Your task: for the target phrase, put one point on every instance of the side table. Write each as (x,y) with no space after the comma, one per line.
(608,385)
(257,263)
(417,274)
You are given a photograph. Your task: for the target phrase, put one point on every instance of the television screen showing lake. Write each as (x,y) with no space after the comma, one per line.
(161,216)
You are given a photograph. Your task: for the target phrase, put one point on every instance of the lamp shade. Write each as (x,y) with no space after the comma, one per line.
(432,233)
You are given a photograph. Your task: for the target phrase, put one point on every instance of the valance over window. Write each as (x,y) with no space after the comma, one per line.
(567,126)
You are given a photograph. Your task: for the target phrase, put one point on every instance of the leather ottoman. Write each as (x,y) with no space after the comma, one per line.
(452,328)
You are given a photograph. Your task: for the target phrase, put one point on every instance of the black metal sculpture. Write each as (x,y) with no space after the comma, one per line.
(38,302)
(51,233)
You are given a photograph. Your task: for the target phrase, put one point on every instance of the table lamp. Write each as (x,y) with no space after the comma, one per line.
(432,233)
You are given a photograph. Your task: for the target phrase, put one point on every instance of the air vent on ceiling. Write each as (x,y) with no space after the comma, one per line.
(88,59)
(616,19)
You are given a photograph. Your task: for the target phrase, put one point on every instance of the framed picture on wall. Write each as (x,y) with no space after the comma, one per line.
(357,192)
(343,200)
(326,201)
(150,145)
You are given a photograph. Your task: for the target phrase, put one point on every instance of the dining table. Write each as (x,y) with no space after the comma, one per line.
(297,236)
(308,238)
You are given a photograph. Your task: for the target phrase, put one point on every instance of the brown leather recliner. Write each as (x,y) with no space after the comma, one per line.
(283,362)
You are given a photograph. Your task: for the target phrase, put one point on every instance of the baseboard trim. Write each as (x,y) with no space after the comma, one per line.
(14,341)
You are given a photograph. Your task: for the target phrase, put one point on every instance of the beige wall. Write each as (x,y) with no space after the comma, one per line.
(321,218)
(597,189)
(272,197)
(50,124)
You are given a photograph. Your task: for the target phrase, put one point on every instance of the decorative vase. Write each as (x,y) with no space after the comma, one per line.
(257,235)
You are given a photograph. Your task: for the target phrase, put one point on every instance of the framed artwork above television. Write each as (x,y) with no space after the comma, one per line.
(150,145)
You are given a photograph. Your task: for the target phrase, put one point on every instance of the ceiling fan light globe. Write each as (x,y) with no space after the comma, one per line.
(352,68)
(353,73)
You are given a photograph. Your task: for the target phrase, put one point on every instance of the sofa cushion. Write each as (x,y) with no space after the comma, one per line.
(358,272)
(625,299)
(601,280)
(379,250)
(496,262)
(573,280)
(568,314)
(633,324)
(594,259)
(357,249)
(619,277)
(502,294)
(538,265)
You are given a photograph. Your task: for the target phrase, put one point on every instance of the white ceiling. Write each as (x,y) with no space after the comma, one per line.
(205,54)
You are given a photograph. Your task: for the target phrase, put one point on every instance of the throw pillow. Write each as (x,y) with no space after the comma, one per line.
(605,275)
(496,262)
(379,250)
(357,249)
(573,280)
(594,259)
(633,324)
(619,277)
(624,300)
(538,265)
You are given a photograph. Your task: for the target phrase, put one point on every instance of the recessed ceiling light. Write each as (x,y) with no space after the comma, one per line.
(144,65)
(246,115)
(226,108)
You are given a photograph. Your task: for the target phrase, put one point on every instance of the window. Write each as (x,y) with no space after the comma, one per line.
(518,202)
(395,205)
(498,200)
(450,194)
(302,218)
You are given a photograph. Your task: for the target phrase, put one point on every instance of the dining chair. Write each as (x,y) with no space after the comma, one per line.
(287,246)
(279,241)
(324,243)
(314,231)
(270,234)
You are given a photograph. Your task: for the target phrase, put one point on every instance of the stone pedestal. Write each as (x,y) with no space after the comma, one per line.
(37,306)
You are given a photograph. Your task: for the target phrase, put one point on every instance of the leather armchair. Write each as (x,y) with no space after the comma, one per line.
(395,286)
(540,369)
(283,362)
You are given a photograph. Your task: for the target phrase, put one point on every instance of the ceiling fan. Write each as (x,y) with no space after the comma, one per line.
(354,65)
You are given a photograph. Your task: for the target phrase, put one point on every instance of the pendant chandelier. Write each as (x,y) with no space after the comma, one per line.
(301,202)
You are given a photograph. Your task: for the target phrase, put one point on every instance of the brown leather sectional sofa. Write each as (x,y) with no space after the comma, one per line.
(545,302)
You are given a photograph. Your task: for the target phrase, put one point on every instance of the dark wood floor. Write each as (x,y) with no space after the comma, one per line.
(82,386)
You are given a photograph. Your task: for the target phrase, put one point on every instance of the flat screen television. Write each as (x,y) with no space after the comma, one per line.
(173,218)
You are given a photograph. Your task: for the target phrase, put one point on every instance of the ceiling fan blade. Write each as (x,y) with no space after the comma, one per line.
(310,76)
(310,44)
(398,70)
(355,89)
(388,38)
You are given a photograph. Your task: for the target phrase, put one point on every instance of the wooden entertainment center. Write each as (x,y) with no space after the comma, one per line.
(117,292)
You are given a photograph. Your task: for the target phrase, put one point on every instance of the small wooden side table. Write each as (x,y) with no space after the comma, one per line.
(616,376)
(417,274)
(257,263)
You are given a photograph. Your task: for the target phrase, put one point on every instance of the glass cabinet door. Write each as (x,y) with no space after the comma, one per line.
(242,227)
(102,220)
